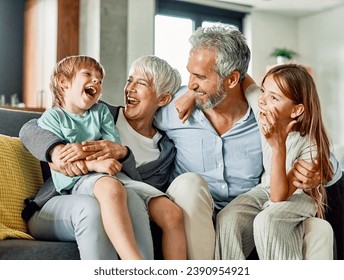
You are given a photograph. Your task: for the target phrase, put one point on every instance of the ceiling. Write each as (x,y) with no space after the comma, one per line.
(289,7)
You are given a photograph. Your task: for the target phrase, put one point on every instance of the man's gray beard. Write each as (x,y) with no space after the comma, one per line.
(213,101)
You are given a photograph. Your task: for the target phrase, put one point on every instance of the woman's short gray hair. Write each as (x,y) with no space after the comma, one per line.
(230,44)
(165,79)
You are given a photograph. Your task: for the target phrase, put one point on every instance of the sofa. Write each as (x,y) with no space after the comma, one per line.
(21,175)
(15,241)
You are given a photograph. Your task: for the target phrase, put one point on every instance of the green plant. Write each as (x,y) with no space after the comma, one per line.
(283,52)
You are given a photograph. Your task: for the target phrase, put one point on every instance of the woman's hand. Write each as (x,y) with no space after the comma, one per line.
(185,105)
(72,152)
(71,169)
(104,149)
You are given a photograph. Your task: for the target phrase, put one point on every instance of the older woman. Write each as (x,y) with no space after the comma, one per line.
(146,155)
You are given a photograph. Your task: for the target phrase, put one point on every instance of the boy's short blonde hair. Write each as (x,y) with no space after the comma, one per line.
(67,69)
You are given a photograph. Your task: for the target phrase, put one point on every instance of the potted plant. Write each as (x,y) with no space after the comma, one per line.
(283,55)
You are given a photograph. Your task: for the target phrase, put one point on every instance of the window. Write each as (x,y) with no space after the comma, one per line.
(174,23)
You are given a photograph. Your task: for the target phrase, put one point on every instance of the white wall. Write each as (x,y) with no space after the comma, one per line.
(265,32)
(46,44)
(89,37)
(140,29)
(322,47)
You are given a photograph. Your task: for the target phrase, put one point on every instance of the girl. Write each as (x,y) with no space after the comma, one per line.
(271,214)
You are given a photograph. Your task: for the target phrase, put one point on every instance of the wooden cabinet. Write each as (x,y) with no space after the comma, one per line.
(68,28)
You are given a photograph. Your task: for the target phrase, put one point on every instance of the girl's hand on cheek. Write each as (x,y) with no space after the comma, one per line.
(266,125)
(273,130)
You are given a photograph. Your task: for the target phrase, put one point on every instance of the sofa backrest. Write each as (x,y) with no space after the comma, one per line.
(11,121)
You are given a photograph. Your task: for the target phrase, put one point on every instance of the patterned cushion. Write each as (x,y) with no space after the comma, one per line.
(20,177)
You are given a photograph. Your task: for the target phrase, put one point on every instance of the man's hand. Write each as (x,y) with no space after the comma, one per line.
(104,149)
(305,175)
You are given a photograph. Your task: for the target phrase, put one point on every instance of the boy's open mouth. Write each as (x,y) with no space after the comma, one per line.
(90,91)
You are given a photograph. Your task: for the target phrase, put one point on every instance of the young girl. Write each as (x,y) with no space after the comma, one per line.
(289,115)
(270,215)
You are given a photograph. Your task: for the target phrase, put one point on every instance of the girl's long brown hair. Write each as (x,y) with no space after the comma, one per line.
(298,85)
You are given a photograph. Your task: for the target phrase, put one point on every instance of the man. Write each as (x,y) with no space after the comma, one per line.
(220,141)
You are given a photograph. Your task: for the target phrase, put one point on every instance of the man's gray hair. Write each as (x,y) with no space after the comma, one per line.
(230,44)
(165,78)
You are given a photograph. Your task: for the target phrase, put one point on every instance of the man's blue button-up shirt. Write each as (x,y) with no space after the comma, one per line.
(231,163)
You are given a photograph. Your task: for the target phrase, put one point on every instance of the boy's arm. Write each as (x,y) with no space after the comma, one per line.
(80,167)
(109,166)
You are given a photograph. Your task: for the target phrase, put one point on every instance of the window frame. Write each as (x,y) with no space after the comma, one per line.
(199,13)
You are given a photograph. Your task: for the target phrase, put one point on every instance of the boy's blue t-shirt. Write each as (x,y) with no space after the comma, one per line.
(95,124)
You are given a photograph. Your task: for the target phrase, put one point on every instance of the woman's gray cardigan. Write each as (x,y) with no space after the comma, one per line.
(40,142)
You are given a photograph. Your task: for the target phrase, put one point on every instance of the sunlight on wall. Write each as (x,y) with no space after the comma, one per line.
(47,45)
(171,42)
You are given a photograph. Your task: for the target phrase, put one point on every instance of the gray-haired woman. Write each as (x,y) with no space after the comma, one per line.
(146,155)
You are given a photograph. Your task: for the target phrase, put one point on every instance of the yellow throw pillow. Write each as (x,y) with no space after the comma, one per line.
(20,177)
